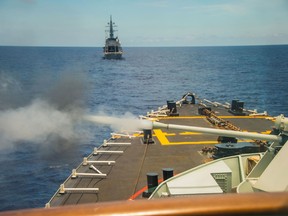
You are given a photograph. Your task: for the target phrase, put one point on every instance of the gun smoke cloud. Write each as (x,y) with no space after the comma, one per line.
(57,118)
(35,122)
(126,122)
(52,118)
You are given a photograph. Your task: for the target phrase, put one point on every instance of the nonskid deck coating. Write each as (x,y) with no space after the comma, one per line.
(127,177)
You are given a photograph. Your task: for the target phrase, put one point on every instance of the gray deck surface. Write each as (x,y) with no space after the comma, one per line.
(128,175)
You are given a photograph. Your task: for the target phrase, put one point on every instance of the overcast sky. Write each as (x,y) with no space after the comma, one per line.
(144,22)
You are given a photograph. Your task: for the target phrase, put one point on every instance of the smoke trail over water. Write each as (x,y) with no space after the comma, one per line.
(55,118)
(51,118)
(33,122)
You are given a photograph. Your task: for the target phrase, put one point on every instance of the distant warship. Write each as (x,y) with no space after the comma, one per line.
(112,49)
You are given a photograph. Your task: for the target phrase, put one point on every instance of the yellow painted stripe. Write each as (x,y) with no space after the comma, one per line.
(230,117)
(164,141)
(191,143)
(161,137)
(168,134)
(137,135)
(266,132)
(182,117)
(189,133)
(244,117)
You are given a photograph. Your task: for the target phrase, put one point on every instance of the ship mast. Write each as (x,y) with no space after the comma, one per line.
(111,28)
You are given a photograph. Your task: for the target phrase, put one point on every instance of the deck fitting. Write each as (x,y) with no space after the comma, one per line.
(147,138)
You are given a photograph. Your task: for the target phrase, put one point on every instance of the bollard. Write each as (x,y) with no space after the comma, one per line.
(152,180)
(171,105)
(147,139)
(167,173)
(152,183)
(237,108)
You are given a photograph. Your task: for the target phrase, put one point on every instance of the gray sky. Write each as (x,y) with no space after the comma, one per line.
(144,22)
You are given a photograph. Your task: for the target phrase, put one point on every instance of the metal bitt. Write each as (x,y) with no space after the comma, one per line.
(171,105)
(237,108)
(167,173)
(147,138)
(227,133)
(152,183)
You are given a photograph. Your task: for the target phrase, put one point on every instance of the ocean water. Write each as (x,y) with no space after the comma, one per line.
(41,85)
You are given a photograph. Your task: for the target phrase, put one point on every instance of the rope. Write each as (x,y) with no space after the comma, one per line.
(142,163)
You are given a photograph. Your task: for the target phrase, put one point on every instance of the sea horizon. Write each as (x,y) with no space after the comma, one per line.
(182,46)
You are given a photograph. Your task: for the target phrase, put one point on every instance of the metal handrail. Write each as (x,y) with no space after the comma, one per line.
(227,204)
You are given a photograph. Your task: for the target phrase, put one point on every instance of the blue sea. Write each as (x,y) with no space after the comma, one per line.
(36,82)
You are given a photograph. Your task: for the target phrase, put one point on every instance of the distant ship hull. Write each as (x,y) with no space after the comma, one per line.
(112,55)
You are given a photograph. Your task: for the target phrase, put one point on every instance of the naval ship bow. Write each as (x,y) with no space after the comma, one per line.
(120,177)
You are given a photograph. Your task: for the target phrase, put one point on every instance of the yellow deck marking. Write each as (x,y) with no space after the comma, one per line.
(266,132)
(189,133)
(168,134)
(244,117)
(182,117)
(162,137)
(192,143)
(164,141)
(230,117)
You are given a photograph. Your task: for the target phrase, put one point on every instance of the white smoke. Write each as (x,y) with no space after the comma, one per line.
(55,118)
(127,122)
(34,123)
(52,119)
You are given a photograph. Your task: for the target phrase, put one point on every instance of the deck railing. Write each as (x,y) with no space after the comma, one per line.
(229,204)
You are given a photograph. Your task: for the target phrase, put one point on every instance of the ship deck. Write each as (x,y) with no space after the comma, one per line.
(124,161)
